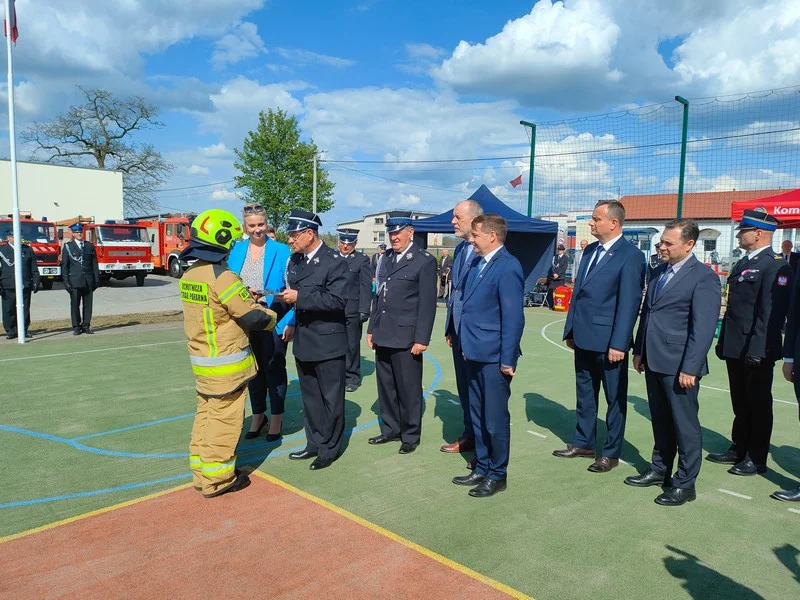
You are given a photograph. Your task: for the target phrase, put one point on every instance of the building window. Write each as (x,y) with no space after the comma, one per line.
(378,220)
(379,236)
(709,245)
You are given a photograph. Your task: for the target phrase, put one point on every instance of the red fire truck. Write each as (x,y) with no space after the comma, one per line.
(123,248)
(40,235)
(169,235)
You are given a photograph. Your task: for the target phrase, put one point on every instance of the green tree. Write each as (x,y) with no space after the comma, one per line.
(277,169)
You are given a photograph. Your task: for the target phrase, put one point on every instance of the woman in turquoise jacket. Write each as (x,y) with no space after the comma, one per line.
(261,263)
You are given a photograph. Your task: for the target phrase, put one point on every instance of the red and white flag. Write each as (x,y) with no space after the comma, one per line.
(11,23)
(516,181)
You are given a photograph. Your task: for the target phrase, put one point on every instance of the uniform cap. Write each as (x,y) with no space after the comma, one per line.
(758,219)
(382,246)
(347,236)
(561,247)
(303,219)
(77,228)
(394,224)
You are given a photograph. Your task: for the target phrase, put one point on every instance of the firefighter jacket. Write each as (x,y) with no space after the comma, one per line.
(218,312)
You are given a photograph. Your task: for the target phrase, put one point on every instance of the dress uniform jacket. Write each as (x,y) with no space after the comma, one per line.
(30,272)
(404,311)
(79,267)
(358,293)
(218,312)
(758,298)
(321,285)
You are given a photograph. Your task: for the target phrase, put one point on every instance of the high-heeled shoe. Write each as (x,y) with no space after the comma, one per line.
(250,435)
(274,437)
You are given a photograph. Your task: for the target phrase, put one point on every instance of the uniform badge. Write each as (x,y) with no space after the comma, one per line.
(783,280)
(741,278)
(316,260)
(409,256)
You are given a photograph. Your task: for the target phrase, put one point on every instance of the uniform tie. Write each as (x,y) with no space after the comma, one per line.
(663,281)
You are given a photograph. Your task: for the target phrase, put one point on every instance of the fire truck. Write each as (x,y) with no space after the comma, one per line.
(40,235)
(169,235)
(123,248)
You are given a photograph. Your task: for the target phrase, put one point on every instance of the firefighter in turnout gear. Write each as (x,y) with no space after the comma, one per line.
(218,311)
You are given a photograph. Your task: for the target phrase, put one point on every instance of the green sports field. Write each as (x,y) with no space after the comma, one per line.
(89,422)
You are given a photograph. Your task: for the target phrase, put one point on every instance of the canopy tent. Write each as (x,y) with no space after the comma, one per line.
(532,241)
(784,207)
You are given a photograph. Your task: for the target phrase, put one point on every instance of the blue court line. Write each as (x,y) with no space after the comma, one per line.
(141,484)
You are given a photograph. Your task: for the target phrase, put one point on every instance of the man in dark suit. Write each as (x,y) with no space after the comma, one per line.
(791,356)
(604,307)
(445,268)
(376,257)
(317,285)
(557,274)
(358,297)
(676,330)
(81,275)
(788,255)
(463,257)
(656,258)
(492,322)
(400,331)
(8,286)
(750,341)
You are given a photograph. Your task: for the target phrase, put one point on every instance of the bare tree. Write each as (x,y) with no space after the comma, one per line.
(100,131)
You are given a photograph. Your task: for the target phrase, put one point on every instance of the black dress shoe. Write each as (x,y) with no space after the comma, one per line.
(787,495)
(747,467)
(351,387)
(254,434)
(302,455)
(274,437)
(488,487)
(729,457)
(676,496)
(88,330)
(383,439)
(77,331)
(406,448)
(320,463)
(11,336)
(471,479)
(241,482)
(645,479)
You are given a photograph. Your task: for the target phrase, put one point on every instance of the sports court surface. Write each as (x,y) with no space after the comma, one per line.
(97,500)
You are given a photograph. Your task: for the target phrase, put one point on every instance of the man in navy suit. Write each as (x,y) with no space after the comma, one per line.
(463,214)
(490,332)
(604,307)
(676,330)
(791,357)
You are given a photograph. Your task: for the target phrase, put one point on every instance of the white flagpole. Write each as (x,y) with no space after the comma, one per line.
(12,139)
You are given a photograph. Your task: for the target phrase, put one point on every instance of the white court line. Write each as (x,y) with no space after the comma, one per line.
(451,401)
(2,360)
(544,437)
(794,510)
(625,462)
(737,494)
(543,333)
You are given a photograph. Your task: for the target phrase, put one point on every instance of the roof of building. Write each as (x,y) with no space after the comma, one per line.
(698,205)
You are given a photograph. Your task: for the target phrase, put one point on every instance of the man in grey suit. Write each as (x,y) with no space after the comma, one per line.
(676,330)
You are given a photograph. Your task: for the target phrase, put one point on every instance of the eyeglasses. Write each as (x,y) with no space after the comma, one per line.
(293,235)
(254,209)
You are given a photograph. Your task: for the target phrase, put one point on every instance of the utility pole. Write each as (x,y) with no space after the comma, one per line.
(314,189)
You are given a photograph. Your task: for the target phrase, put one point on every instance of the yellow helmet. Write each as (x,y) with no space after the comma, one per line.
(217,228)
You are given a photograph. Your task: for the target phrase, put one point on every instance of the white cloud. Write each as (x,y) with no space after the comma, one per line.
(404,201)
(241,43)
(224,194)
(421,58)
(198,170)
(304,57)
(219,150)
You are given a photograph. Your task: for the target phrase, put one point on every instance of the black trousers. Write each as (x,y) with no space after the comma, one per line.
(751,398)
(354,331)
(322,387)
(270,352)
(10,310)
(399,392)
(676,428)
(81,298)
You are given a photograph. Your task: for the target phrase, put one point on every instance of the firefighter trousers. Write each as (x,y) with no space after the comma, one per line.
(212,449)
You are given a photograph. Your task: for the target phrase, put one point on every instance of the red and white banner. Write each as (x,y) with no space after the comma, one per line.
(13,24)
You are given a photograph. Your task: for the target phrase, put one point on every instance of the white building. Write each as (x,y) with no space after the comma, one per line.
(61,192)
(372,228)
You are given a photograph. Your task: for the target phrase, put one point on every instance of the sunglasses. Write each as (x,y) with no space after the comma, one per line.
(254,209)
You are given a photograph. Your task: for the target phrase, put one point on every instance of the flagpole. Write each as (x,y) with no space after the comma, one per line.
(12,139)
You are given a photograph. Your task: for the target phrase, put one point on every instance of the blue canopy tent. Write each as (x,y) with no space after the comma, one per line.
(532,241)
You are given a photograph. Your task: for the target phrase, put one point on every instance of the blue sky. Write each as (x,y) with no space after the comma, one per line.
(413,80)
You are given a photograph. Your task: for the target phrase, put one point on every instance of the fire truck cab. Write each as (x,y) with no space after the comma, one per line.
(123,249)
(40,235)
(168,235)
